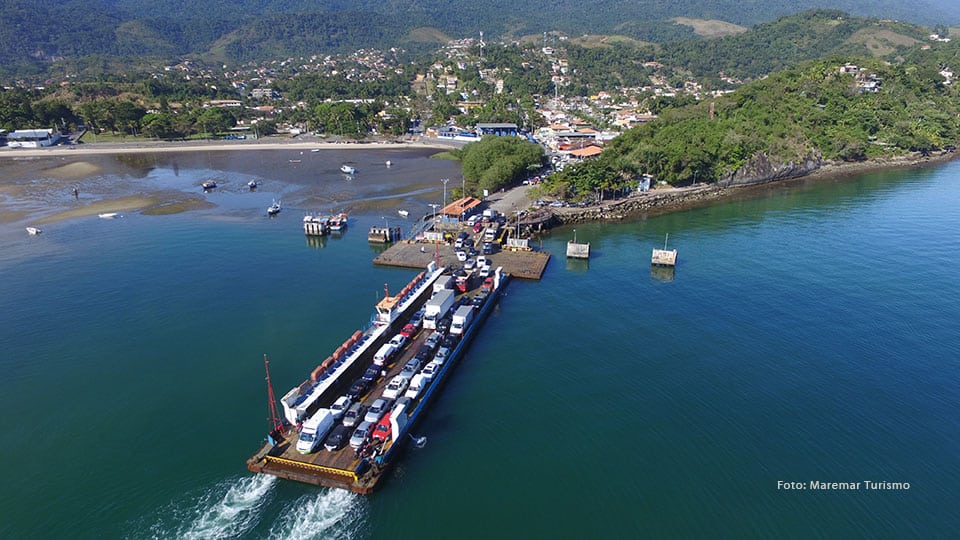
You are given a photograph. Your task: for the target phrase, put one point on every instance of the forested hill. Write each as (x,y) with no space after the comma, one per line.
(36,33)
(841,108)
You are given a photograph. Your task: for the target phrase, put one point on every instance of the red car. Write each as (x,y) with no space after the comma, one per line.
(478,227)
(408,331)
(382,431)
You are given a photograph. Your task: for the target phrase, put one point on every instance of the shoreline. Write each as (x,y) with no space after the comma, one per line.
(674,199)
(87,149)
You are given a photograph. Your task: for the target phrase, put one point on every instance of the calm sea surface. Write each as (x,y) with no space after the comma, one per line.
(810,334)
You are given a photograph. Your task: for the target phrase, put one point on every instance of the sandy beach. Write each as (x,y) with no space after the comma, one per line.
(271,143)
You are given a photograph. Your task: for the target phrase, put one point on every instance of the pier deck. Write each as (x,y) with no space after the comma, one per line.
(522,264)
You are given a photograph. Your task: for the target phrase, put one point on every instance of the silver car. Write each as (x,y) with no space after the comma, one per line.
(361,434)
(377,410)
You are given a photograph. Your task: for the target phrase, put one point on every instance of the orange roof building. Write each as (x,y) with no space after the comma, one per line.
(460,207)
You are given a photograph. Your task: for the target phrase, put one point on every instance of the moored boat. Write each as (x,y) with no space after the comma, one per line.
(348,169)
(107,215)
(253,184)
(403,213)
(34,230)
(208,184)
(338,222)
(274,208)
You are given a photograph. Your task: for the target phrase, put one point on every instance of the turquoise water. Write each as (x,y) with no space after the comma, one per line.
(809,334)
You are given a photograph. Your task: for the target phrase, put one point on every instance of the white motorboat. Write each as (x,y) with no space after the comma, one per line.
(209,184)
(403,213)
(34,230)
(274,208)
(108,215)
(252,183)
(348,169)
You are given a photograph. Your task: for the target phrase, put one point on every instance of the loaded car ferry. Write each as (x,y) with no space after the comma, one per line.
(394,389)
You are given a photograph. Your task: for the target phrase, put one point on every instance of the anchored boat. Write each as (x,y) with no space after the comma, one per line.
(274,208)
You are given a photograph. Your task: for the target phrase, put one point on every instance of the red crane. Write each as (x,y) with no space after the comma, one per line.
(276,421)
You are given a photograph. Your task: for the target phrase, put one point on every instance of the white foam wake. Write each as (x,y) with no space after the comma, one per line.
(331,513)
(230,509)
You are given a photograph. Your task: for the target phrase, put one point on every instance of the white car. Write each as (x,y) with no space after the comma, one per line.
(398,340)
(396,387)
(461,255)
(431,369)
(485,271)
(340,406)
(470,264)
(481,261)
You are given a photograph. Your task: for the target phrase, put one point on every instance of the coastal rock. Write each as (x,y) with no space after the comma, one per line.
(761,168)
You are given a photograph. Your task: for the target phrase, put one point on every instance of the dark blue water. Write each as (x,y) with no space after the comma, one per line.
(806,335)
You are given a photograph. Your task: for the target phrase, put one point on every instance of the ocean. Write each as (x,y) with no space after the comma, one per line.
(807,336)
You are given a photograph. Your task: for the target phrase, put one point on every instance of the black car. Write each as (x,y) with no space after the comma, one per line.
(443,325)
(450,341)
(372,373)
(487,248)
(337,438)
(424,355)
(359,388)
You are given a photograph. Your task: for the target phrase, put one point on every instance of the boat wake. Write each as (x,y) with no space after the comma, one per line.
(331,513)
(228,510)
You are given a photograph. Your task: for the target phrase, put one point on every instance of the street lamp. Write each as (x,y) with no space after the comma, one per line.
(445,180)
(434,206)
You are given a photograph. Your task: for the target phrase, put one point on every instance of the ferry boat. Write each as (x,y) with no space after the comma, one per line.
(360,469)
(348,169)
(338,222)
(274,208)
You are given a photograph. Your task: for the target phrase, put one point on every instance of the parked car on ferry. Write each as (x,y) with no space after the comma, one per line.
(397,385)
(443,325)
(409,369)
(372,373)
(442,354)
(417,385)
(408,330)
(481,261)
(361,434)
(398,340)
(359,388)
(431,369)
(377,410)
(417,318)
(382,431)
(432,341)
(487,248)
(485,272)
(402,401)
(337,438)
(340,406)
(354,414)
(450,341)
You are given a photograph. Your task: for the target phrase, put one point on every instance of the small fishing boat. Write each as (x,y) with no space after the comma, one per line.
(295,160)
(389,163)
(315,150)
(209,184)
(338,222)
(252,184)
(348,169)
(274,208)
(34,230)
(403,213)
(107,215)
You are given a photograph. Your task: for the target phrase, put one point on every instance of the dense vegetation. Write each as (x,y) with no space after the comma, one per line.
(495,162)
(96,34)
(812,111)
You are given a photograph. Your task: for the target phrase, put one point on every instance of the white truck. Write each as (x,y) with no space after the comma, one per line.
(437,307)
(314,430)
(461,320)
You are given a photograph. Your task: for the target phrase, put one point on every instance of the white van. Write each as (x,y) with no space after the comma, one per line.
(417,385)
(314,431)
(384,354)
